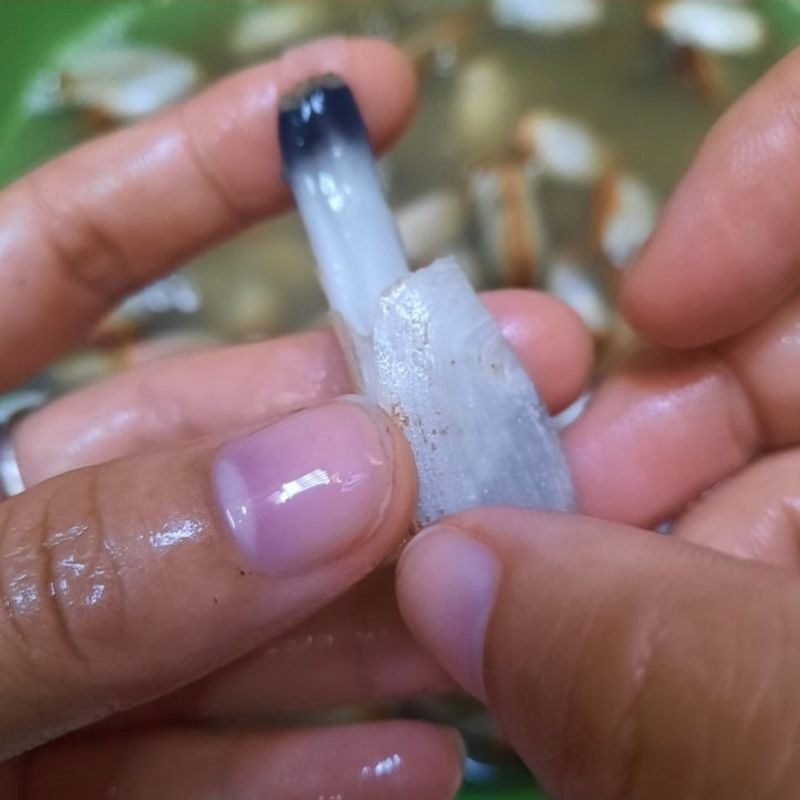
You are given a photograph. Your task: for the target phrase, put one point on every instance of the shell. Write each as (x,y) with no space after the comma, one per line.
(83,367)
(569,281)
(562,147)
(621,343)
(484,109)
(548,16)
(703,71)
(90,365)
(264,29)
(253,314)
(259,283)
(439,45)
(429,225)
(170,298)
(626,212)
(572,412)
(126,81)
(711,25)
(510,228)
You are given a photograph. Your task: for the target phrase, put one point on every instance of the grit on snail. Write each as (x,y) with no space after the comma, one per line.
(421,345)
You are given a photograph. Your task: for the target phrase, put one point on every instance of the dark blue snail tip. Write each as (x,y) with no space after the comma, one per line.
(310,115)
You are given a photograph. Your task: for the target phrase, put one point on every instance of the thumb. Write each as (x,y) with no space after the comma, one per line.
(121,582)
(619,663)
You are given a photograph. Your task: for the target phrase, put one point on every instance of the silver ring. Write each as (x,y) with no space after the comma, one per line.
(13,407)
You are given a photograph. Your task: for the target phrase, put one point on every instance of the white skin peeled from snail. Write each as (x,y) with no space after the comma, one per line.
(421,345)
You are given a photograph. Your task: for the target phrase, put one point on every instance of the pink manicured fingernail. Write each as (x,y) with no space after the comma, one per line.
(306,489)
(447,587)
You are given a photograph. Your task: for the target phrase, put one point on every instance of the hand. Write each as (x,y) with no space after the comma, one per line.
(127,570)
(625,664)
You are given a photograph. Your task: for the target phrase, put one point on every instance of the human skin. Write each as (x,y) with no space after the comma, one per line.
(621,663)
(202,542)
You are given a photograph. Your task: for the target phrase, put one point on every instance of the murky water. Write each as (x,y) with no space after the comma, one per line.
(647,102)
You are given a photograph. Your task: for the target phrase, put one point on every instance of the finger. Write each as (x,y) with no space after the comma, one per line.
(764,360)
(123,582)
(726,250)
(667,428)
(753,515)
(391,760)
(220,390)
(619,664)
(82,231)
(658,434)
(365,647)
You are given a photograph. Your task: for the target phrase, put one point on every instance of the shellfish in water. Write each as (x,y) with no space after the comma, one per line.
(484,108)
(265,29)
(430,225)
(710,25)
(421,345)
(569,281)
(126,81)
(563,148)
(509,222)
(548,16)
(626,212)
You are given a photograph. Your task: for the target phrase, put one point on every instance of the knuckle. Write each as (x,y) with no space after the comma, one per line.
(85,253)
(212,181)
(62,596)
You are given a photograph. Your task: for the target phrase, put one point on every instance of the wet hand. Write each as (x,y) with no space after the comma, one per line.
(621,663)
(202,524)
(190,558)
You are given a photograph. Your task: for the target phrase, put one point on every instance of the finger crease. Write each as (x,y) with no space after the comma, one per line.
(239,216)
(629,716)
(9,575)
(749,396)
(105,277)
(55,593)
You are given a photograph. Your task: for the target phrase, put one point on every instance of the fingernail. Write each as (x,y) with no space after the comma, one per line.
(305,490)
(447,587)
